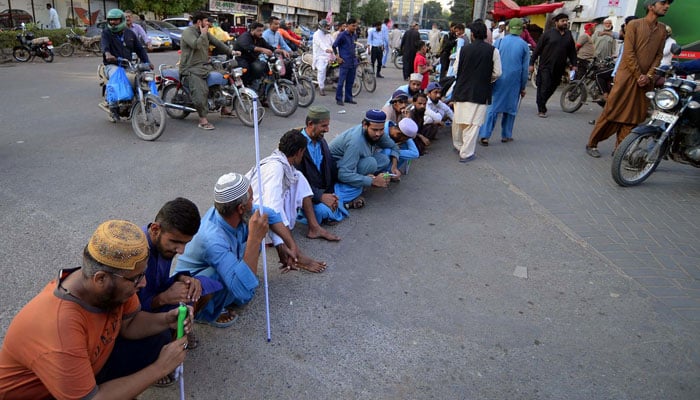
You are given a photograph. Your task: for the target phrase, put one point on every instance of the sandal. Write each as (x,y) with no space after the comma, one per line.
(484,142)
(229,114)
(165,381)
(356,204)
(207,127)
(226,318)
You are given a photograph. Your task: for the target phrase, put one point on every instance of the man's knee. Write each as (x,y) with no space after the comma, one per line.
(383,161)
(367,165)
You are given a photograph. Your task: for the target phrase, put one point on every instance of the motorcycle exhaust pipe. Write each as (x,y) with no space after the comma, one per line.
(179,107)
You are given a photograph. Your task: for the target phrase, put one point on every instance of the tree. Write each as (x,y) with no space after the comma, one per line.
(432,13)
(163,7)
(373,11)
(462,11)
(347,6)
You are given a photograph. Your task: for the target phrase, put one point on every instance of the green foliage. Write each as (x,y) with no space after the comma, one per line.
(8,39)
(345,7)
(373,11)
(462,11)
(432,13)
(163,8)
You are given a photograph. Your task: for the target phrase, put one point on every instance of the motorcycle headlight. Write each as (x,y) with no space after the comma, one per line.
(238,72)
(278,65)
(148,76)
(666,99)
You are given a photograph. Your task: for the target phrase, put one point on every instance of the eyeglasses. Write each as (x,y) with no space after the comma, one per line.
(135,280)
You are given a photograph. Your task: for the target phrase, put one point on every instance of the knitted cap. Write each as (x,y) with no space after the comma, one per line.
(415,77)
(318,113)
(230,187)
(118,244)
(377,116)
(408,127)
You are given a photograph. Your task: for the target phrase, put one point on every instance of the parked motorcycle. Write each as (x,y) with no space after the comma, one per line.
(279,93)
(672,131)
(145,109)
(332,73)
(79,42)
(226,89)
(578,91)
(365,73)
(304,85)
(31,47)
(397,58)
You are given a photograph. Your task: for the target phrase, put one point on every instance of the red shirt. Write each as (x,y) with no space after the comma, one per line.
(417,62)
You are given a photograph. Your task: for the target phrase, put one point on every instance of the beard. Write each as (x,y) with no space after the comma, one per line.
(247,215)
(168,255)
(109,301)
(369,138)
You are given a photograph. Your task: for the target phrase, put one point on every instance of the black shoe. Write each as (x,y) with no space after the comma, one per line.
(351,101)
(340,103)
(593,152)
(380,76)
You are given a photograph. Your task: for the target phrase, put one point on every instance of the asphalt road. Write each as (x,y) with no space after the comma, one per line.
(471,281)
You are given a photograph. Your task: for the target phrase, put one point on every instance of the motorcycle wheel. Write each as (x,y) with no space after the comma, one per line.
(95,47)
(66,50)
(307,94)
(369,81)
(357,85)
(21,54)
(307,72)
(573,97)
(47,56)
(244,109)
(286,101)
(398,62)
(175,95)
(629,167)
(151,124)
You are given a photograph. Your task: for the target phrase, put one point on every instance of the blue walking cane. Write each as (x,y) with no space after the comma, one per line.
(179,371)
(256,126)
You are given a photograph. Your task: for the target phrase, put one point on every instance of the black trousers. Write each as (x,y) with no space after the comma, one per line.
(408,58)
(547,82)
(377,54)
(444,64)
(130,356)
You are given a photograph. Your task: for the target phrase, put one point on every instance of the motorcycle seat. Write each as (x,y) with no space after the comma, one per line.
(41,40)
(171,74)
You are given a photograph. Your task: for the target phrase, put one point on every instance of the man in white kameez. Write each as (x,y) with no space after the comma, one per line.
(323,53)
(285,189)
(478,66)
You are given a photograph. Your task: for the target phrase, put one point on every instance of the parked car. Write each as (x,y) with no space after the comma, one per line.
(172,30)
(18,17)
(181,23)
(159,39)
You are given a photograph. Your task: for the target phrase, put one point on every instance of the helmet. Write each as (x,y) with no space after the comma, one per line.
(669,31)
(324,25)
(116,13)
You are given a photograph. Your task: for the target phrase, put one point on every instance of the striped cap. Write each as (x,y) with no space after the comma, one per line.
(230,187)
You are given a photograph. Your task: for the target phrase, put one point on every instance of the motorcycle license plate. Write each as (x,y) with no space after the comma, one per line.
(50,47)
(665,117)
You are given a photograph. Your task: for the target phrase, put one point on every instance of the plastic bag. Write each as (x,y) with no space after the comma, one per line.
(119,87)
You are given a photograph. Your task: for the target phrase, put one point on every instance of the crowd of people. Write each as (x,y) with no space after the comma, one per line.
(106,327)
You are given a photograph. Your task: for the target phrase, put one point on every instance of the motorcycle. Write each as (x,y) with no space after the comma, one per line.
(333,72)
(145,109)
(397,58)
(279,93)
(84,43)
(304,85)
(672,132)
(226,89)
(365,73)
(31,47)
(578,91)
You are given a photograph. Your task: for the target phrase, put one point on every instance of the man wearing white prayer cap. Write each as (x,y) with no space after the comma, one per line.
(227,247)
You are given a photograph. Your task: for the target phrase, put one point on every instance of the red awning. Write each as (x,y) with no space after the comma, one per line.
(506,9)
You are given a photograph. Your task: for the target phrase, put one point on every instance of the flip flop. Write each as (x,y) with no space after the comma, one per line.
(357,203)
(207,127)
(218,324)
(165,381)
(230,114)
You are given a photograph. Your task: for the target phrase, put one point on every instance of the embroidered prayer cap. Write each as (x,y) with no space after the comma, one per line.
(408,127)
(415,77)
(318,113)
(515,26)
(230,187)
(118,244)
(432,86)
(399,95)
(376,116)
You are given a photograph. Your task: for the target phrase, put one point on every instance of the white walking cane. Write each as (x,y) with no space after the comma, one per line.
(256,126)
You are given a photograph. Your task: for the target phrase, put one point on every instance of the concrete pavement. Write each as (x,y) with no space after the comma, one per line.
(421,299)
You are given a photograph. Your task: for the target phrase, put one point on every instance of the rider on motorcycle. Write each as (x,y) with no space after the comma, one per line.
(323,52)
(251,45)
(119,42)
(194,68)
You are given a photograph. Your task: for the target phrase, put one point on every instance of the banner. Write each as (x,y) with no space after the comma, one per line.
(230,7)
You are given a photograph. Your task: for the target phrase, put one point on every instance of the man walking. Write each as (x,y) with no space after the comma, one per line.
(54,21)
(408,48)
(510,87)
(627,105)
(554,48)
(344,47)
(375,41)
(478,66)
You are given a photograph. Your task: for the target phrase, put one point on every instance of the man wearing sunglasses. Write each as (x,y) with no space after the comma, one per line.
(60,345)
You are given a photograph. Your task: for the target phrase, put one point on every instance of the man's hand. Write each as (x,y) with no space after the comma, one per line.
(203,29)
(380,180)
(171,318)
(531,68)
(267,52)
(194,287)
(643,80)
(330,200)
(258,227)
(396,172)
(176,293)
(340,60)
(110,57)
(522,93)
(171,355)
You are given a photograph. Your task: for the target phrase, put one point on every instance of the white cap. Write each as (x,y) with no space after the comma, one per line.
(230,187)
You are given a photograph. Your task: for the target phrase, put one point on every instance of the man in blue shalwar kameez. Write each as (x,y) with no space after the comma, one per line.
(510,87)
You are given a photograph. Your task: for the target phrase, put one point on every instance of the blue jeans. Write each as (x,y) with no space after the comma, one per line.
(347,79)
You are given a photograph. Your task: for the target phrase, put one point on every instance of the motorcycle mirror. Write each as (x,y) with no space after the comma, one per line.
(676,49)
